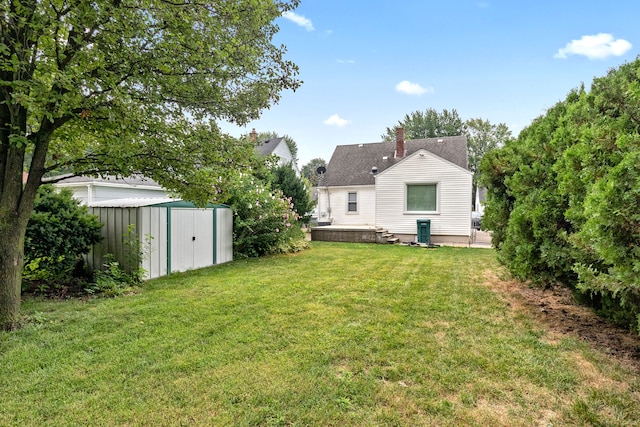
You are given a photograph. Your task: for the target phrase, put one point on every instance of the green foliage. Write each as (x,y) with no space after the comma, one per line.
(482,137)
(563,197)
(112,280)
(310,170)
(293,187)
(427,124)
(112,87)
(58,233)
(264,219)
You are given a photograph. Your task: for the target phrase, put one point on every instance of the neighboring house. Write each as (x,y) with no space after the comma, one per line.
(392,185)
(277,147)
(94,190)
(481,199)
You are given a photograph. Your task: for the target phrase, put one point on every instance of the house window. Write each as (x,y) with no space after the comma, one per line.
(422,197)
(352,202)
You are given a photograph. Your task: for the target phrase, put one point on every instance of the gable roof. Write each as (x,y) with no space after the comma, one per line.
(351,164)
(266,146)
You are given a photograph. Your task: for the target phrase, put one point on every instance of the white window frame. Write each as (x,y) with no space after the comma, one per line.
(349,212)
(406,192)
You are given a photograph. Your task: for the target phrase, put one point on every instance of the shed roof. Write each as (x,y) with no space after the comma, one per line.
(352,164)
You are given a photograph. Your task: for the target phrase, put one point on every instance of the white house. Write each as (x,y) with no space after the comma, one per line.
(392,185)
(277,147)
(90,190)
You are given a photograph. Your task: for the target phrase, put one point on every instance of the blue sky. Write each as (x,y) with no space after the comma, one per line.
(365,64)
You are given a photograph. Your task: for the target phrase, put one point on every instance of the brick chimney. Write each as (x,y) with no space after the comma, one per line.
(253,136)
(400,151)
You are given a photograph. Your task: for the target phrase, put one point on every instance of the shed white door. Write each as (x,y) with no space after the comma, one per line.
(191,239)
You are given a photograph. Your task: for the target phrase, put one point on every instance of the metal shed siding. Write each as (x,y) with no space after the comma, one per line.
(223,235)
(166,235)
(115,234)
(152,234)
(454,196)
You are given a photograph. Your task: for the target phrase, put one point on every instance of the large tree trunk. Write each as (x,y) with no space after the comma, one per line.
(11,264)
(16,204)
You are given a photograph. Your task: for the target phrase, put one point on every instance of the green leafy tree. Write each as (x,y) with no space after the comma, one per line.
(427,124)
(121,87)
(293,187)
(482,137)
(58,232)
(310,170)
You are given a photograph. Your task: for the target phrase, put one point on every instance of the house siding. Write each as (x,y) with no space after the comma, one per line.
(285,157)
(94,192)
(453,217)
(338,215)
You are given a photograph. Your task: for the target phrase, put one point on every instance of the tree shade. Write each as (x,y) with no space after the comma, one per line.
(122,87)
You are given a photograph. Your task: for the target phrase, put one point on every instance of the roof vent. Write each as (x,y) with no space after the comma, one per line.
(374,170)
(360,145)
(385,157)
(440,140)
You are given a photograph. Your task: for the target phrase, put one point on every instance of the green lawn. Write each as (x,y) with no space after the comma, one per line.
(338,335)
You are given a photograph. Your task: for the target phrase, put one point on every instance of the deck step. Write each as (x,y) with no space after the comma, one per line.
(393,240)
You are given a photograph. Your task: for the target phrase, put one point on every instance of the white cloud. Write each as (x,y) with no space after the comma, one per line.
(346,61)
(409,88)
(299,20)
(600,46)
(336,120)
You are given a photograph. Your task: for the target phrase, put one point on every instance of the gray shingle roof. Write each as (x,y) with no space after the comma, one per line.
(266,147)
(131,180)
(351,164)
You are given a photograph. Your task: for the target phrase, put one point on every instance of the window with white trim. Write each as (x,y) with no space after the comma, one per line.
(422,197)
(352,202)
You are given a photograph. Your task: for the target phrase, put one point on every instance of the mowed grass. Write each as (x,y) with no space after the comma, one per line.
(338,335)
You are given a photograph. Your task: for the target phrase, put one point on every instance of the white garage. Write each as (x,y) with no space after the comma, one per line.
(174,235)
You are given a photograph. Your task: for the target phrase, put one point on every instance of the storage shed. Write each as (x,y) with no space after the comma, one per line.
(173,234)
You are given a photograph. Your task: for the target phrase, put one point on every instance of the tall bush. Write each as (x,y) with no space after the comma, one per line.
(264,219)
(564,197)
(293,187)
(59,231)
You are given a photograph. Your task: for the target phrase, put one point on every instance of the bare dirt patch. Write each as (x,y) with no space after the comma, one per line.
(557,309)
